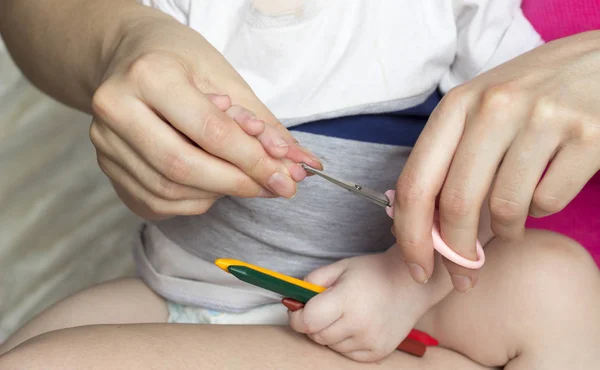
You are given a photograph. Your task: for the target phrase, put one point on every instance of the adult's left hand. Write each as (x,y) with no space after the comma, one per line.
(495,136)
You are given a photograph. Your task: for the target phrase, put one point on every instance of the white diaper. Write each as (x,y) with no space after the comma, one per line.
(271,314)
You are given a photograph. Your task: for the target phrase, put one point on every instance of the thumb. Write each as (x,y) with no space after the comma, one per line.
(326,276)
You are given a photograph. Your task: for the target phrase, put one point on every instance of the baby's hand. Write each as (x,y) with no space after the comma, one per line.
(269,137)
(369,308)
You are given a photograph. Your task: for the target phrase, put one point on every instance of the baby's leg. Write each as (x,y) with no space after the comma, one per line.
(185,346)
(535,307)
(115,302)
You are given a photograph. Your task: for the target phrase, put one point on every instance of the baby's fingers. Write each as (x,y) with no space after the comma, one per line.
(319,313)
(247,120)
(268,136)
(338,332)
(223,102)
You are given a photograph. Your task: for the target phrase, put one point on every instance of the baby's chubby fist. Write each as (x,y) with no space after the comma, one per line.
(368,309)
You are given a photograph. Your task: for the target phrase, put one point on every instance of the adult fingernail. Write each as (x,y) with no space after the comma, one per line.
(282,184)
(297,172)
(417,272)
(461,283)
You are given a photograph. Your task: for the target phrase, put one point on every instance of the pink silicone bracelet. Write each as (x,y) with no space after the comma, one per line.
(443,248)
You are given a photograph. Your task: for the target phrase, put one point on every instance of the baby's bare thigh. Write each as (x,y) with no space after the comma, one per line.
(533,307)
(183,346)
(115,302)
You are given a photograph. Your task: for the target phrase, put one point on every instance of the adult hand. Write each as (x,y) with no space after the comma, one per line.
(163,133)
(495,136)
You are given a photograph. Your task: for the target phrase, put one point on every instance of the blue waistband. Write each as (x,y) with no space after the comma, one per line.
(400,128)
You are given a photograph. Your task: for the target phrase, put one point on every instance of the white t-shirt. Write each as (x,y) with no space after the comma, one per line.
(313,59)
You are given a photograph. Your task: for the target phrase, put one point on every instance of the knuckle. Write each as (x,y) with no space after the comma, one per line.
(176,168)
(545,110)
(166,188)
(214,130)
(95,133)
(155,205)
(505,210)
(146,67)
(455,204)
(102,163)
(586,131)
(456,97)
(156,71)
(104,102)
(496,98)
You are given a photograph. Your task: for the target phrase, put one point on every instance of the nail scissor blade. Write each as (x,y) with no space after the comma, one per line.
(374,196)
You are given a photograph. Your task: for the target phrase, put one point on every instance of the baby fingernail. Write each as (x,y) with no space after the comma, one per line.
(282,184)
(417,272)
(461,283)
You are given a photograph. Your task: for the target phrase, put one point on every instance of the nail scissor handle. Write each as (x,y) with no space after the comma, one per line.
(439,244)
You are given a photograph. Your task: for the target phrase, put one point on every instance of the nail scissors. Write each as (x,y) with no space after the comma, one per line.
(386,200)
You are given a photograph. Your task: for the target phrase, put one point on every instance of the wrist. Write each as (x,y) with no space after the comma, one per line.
(124,41)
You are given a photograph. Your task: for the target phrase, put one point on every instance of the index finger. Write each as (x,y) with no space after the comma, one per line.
(189,111)
(420,182)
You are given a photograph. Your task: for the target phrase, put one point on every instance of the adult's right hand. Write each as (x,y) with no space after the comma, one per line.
(164,129)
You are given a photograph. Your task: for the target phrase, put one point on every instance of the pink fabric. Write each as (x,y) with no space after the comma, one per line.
(555,19)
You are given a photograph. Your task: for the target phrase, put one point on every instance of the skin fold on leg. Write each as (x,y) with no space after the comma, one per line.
(115,302)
